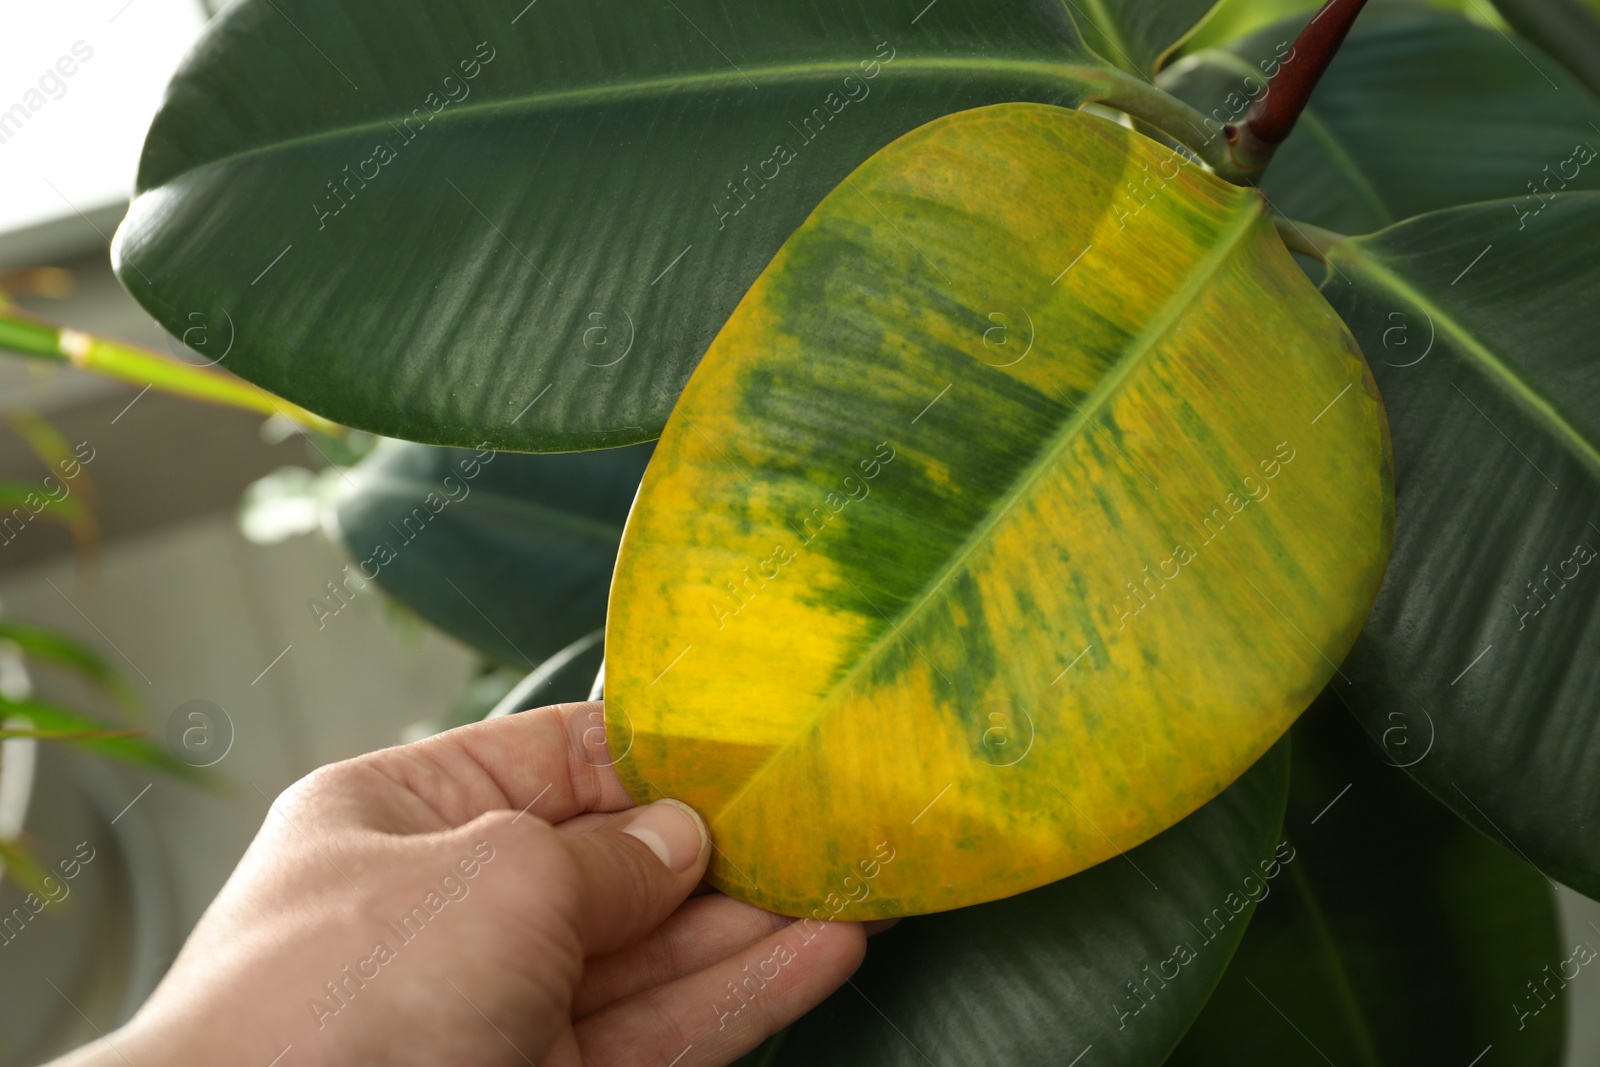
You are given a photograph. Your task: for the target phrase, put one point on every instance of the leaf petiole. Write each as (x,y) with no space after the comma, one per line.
(1309,240)
(29,336)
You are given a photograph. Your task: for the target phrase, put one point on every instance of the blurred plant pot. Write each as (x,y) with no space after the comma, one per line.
(83,955)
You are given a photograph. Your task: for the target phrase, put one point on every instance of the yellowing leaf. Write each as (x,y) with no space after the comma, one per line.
(1025,500)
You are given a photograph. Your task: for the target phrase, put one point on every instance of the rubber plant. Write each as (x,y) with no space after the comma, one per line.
(1048,412)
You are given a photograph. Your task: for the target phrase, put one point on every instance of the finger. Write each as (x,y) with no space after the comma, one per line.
(564,1052)
(549,762)
(585,822)
(633,873)
(716,1015)
(703,931)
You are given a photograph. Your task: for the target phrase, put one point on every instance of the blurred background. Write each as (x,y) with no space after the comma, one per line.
(159,581)
(165,588)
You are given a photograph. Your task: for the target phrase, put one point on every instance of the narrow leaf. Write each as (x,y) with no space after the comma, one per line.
(93,735)
(47,646)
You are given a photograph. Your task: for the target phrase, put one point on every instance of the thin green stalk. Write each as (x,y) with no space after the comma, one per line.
(144,368)
(1165,112)
(1305,238)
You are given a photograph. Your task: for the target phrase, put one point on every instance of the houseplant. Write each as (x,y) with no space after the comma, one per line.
(550,191)
(81,903)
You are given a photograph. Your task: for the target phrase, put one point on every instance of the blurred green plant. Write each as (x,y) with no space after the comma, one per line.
(25,647)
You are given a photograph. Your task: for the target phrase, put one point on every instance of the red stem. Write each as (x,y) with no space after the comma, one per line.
(1252,142)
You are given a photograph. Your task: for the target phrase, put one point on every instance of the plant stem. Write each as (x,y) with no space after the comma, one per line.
(1305,238)
(1165,112)
(1567,29)
(1251,143)
(142,367)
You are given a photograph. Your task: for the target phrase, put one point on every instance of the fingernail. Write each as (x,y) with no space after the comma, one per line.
(673,831)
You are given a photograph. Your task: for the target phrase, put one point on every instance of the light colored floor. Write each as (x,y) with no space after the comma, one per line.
(194,612)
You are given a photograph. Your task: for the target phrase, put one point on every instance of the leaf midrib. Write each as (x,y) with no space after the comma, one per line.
(1253,210)
(1338,974)
(1087,76)
(1497,370)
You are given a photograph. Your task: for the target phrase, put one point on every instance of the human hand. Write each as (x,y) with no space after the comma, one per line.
(485,896)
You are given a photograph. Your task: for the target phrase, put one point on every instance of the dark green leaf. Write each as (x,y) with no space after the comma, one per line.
(1567,29)
(47,646)
(510,553)
(565,677)
(1138,35)
(1399,936)
(1420,110)
(92,735)
(1037,978)
(1482,654)
(1233,20)
(541,264)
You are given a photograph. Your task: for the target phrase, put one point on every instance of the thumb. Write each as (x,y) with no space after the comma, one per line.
(635,871)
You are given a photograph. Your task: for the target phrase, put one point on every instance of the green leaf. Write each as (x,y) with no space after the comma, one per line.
(1479,664)
(92,735)
(510,553)
(539,264)
(1420,110)
(53,451)
(566,677)
(22,502)
(1232,20)
(48,646)
(1036,979)
(1398,936)
(1138,35)
(19,865)
(972,464)
(1567,29)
